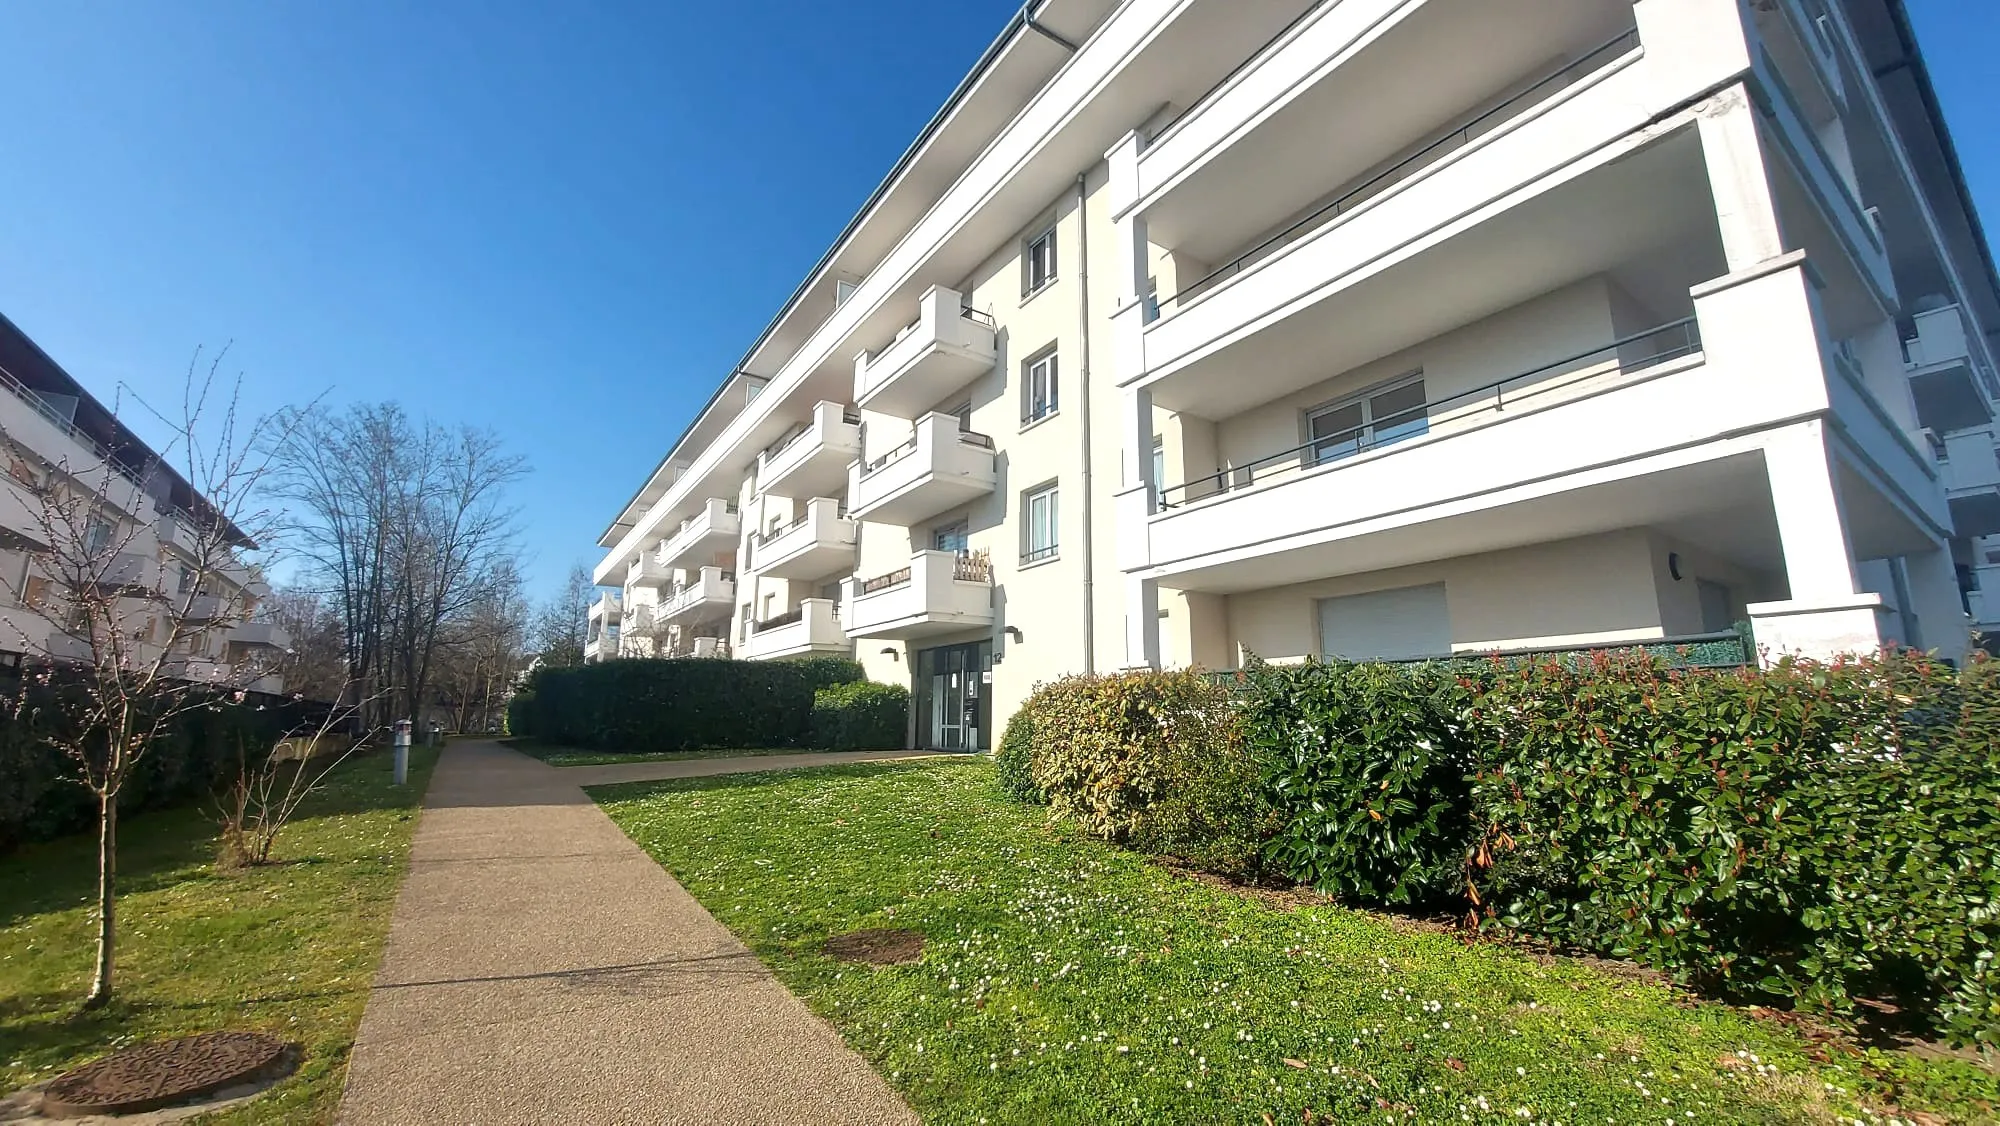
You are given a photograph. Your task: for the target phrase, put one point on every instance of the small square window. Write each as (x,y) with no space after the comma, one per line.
(1039,506)
(1039,262)
(1039,387)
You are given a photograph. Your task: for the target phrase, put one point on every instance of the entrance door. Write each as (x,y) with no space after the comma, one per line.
(952,696)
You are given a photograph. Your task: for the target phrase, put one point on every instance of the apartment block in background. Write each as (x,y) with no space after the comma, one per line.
(55,435)
(1193,331)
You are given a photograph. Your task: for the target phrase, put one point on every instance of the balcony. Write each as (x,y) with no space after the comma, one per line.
(946,348)
(1984,599)
(813,461)
(132,573)
(701,536)
(607,607)
(650,570)
(597,649)
(812,628)
(710,593)
(1969,464)
(818,543)
(940,468)
(1952,388)
(206,607)
(939,592)
(260,635)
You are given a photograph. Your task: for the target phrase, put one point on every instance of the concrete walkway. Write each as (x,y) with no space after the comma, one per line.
(541,968)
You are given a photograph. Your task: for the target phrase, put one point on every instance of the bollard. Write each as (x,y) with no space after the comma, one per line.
(402,752)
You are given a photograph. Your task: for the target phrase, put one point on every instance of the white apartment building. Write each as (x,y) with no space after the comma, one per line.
(55,435)
(1196,329)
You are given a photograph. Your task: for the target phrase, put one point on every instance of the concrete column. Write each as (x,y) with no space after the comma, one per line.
(1942,625)
(1827,615)
(1740,180)
(1142,623)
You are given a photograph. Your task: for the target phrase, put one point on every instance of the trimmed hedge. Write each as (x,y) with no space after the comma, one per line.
(201,752)
(826,672)
(685,704)
(861,716)
(1806,834)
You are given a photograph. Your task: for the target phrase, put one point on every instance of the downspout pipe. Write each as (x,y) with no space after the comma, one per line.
(1083,420)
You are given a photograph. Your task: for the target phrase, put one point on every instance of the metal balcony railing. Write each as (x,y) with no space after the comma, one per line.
(884,582)
(1667,342)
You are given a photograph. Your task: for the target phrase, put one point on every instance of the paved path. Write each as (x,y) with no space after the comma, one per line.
(541,968)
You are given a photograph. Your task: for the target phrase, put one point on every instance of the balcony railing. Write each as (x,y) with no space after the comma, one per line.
(1667,342)
(1036,555)
(884,582)
(1459,136)
(68,426)
(969,437)
(789,618)
(849,416)
(759,539)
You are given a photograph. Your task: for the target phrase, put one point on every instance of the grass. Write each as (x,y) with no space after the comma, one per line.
(1068,981)
(289,948)
(565,756)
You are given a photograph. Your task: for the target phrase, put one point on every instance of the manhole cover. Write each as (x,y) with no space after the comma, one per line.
(881,946)
(165,1072)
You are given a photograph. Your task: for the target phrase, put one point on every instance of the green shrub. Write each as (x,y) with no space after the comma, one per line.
(827,671)
(520,706)
(671,705)
(1107,749)
(1012,759)
(1369,764)
(861,716)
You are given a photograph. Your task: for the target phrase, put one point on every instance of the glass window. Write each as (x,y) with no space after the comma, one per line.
(1376,419)
(952,537)
(1159,471)
(1040,386)
(1041,260)
(1040,506)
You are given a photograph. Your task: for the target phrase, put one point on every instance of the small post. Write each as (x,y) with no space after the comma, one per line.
(402,752)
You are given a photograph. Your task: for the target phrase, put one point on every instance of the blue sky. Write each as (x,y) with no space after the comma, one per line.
(563,220)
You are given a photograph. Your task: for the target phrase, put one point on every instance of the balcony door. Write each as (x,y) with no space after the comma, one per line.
(955,538)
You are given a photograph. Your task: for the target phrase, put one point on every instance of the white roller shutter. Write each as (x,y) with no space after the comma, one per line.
(1396,624)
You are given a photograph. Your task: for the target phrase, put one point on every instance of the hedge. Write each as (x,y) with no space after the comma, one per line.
(200,752)
(682,704)
(1806,834)
(861,716)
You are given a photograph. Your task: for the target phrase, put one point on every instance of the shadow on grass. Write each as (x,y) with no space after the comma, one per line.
(168,847)
(627,791)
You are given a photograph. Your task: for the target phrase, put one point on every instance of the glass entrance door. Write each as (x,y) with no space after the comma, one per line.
(953,693)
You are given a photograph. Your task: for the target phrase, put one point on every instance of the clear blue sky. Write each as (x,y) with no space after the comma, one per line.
(563,220)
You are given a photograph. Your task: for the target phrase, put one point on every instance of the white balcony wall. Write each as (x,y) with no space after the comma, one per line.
(947,347)
(700,537)
(813,462)
(649,570)
(709,592)
(932,596)
(265,635)
(818,543)
(813,628)
(1972,461)
(937,468)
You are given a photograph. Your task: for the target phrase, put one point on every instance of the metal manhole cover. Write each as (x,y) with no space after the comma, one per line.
(881,946)
(165,1072)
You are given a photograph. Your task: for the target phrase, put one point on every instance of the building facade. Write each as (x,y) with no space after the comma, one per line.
(122,514)
(1375,328)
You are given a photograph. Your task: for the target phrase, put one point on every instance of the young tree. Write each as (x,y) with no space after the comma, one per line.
(562,624)
(133,582)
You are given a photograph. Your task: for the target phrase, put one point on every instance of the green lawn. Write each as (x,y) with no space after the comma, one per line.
(1067,981)
(565,756)
(289,948)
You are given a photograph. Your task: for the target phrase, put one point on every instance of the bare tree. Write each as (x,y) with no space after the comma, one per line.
(405,524)
(562,624)
(132,582)
(315,665)
(481,654)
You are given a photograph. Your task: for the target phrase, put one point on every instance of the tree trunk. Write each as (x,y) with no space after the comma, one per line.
(107,895)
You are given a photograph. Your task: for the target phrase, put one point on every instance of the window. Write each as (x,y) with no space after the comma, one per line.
(186,580)
(1375,419)
(954,537)
(1039,262)
(1386,624)
(96,536)
(1717,615)
(1159,473)
(1040,507)
(1038,383)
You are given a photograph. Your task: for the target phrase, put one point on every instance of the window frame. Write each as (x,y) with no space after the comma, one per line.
(1048,358)
(1310,443)
(1044,236)
(1033,553)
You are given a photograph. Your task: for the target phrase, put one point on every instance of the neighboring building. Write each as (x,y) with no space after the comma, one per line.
(55,434)
(1194,330)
